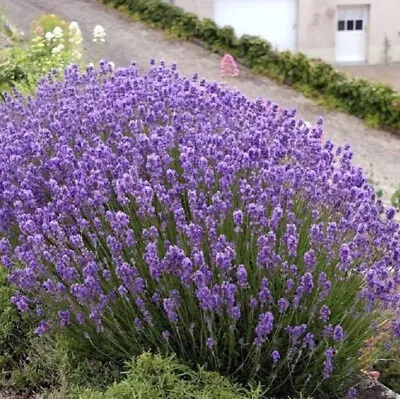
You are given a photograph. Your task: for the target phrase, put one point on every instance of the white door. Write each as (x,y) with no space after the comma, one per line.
(351,34)
(273,20)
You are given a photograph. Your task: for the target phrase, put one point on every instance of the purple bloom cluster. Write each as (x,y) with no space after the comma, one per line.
(177,212)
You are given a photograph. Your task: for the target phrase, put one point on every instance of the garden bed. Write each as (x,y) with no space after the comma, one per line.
(156,213)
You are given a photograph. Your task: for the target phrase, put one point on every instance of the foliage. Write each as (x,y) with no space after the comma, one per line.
(389,368)
(377,104)
(45,364)
(57,370)
(152,212)
(54,45)
(396,199)
(226,37)
(47,23)
(15,334)
(151,376)
(387,361)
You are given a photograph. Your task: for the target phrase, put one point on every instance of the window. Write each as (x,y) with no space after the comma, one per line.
(351,18)
(350,25)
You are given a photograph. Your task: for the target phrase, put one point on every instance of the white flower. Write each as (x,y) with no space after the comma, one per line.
(49,36)
(99,34)
(58,32)
(75,33)
(76,40)
(57,49)
(76,55)
(76,37)
(74,26)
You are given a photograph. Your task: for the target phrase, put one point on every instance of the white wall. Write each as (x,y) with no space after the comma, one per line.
(203,8)
(317,26)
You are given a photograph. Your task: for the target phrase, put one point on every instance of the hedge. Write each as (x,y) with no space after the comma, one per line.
(378,104)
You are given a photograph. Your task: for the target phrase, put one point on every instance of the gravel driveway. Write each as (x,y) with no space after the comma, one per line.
(377,151)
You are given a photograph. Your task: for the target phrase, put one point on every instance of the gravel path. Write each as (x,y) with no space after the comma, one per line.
(377,151)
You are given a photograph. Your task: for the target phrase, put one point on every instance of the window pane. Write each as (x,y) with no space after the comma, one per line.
(359,24)
(340,25)
(350,25)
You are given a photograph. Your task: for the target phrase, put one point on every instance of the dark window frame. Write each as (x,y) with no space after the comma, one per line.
(350,25)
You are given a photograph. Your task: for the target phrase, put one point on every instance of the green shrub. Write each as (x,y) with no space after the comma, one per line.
(208,31)
(47,364)
(27,363)
(377,104)
(15,335)
(153,377)
(186,25)
(11,74)
(59,369)
(294,68)
(227,38)
(389,369)
(279,298)
(396,199)
(22,65)
(255,50)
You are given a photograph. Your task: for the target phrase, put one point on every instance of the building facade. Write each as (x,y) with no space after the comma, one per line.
(337,31)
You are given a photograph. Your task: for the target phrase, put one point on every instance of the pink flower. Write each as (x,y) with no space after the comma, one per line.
(38,30)
(373,374)
(228,67)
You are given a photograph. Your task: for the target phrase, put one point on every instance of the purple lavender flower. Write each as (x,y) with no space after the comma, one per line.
(352,392)
(338,334)
(264,327)
(21,302)
(238,217)
(309,341)
(327,331)
(210,343)
(264,295)
(307,282)
(166,334)
(200,208)
(42,328)
(328,366)
(65,317)
(324,313)
(242,276)
(253,303)
(289,284)
(283,304)
(169,308)
(390,213)
(275,356)
(310,260)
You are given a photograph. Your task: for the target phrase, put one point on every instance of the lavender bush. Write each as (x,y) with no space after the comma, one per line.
(155,212)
